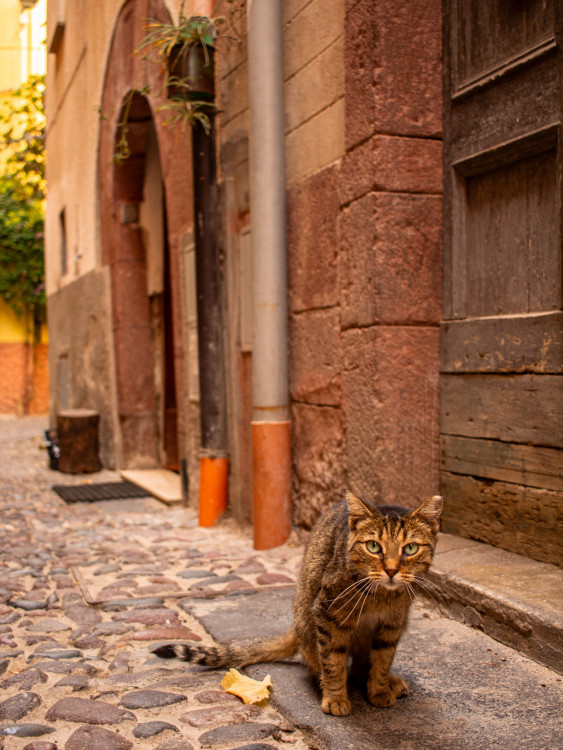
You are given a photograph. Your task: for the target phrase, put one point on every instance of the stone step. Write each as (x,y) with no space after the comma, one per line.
(513,599)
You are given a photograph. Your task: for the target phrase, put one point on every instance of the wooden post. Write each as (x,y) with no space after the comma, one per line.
(78,441)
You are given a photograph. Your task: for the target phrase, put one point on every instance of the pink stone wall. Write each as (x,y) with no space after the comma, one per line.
(365,273)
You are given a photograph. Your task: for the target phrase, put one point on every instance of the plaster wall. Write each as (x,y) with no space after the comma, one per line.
(10,56)
(81,357)
(22,49)
(76,76)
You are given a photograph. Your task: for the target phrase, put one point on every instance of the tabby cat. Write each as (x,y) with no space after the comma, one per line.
(353,595)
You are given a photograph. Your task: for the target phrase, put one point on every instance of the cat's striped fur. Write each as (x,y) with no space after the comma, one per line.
(353,596)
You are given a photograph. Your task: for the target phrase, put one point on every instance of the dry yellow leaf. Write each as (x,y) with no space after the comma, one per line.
(251,691)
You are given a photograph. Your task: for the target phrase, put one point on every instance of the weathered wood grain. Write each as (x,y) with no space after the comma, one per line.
(496,114)
(510,239)
(524,343)
(502,344)
(528,465)
(524,520)
(511,408)
(480,47)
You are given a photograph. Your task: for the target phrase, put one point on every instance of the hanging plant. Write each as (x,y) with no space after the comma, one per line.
(185,53)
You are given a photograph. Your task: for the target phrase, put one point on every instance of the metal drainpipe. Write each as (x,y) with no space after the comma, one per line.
(214,465)
(271,441)
(214,469)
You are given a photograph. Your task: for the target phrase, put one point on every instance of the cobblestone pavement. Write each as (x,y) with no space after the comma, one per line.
(87,589)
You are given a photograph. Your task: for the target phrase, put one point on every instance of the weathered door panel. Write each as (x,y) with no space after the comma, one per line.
(501,339)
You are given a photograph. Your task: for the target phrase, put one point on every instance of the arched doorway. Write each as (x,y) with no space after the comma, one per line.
(143,325)
(146,218)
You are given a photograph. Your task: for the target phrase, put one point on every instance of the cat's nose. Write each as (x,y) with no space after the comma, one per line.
(390,573)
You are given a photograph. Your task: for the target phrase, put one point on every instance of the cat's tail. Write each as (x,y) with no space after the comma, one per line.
(272,649)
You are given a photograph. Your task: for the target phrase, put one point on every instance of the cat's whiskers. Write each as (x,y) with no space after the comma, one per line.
(353,585)
(354,595)
(362,593)
(370,592)
(431,589)
(429,585)
(410,591)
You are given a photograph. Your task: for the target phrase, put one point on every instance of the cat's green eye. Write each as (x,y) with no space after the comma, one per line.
(410,549)
(373,547)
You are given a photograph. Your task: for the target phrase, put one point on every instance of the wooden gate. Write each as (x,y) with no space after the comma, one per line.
(501,339)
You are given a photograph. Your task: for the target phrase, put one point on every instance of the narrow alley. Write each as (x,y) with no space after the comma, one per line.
(87,589)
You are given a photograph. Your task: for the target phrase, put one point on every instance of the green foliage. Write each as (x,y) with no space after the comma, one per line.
(162,38)
(21,251)
(23,137)
(22,193)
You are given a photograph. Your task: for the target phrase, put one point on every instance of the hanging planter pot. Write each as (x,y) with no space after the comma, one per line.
(191,72)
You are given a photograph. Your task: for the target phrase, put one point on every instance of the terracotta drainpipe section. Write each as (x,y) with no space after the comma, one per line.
(271,441)
(214,464)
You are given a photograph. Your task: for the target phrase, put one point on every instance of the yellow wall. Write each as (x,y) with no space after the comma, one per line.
(13,328)
(10,61)
(17,329)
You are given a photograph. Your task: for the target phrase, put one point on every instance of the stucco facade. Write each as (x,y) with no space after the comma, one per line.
(362,88)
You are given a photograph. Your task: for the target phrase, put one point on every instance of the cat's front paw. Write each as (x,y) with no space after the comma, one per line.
(336,706)
(398,686)
(384,699)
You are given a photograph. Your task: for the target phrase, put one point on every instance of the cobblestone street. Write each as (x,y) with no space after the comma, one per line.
(91,588)
(86,590)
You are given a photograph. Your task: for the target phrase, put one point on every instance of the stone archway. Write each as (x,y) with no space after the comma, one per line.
(148,362)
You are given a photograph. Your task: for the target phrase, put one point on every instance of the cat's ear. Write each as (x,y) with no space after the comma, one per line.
(430,511)
(357,510)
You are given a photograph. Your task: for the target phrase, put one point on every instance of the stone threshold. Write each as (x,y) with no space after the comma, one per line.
(163,484)
(513,599)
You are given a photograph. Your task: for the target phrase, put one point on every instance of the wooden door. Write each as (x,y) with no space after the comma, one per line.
(501,338)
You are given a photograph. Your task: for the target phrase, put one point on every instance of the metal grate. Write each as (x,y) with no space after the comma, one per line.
(87,493)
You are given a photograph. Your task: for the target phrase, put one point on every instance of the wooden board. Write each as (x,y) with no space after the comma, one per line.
(524,343)
(524,520)
(511,408)
(528,465)
(163,484)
